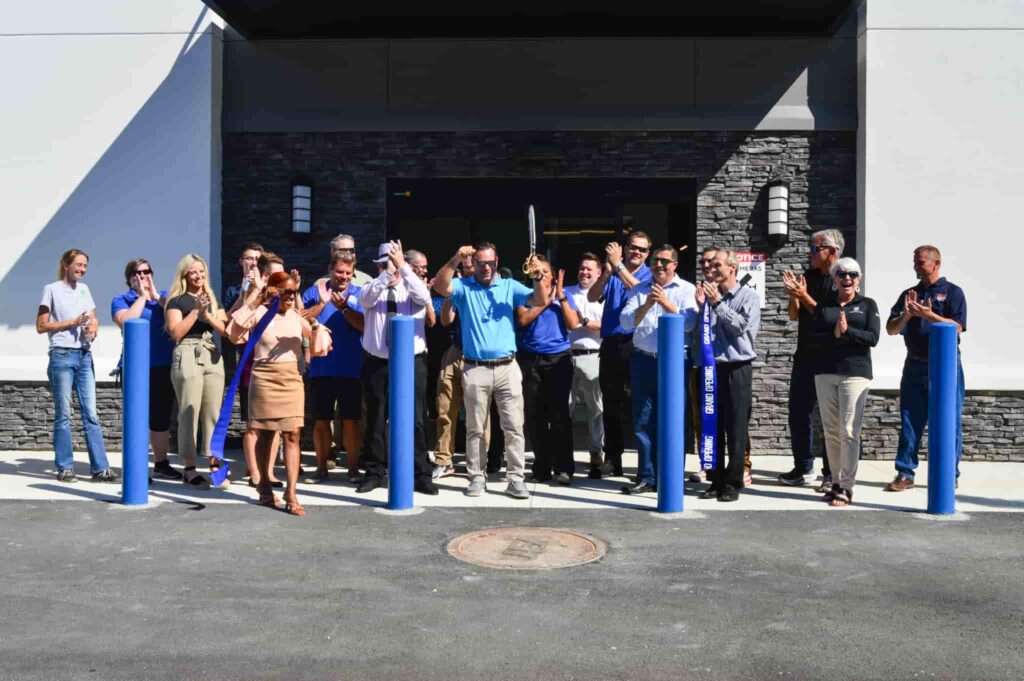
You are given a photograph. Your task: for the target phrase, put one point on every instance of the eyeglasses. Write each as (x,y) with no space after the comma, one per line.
(818,249)
(664,262)
(144,272)
(289,292)
(845,275)
(487,263)
(634,247)
(344,250)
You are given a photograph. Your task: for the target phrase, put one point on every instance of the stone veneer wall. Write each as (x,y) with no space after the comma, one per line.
(350,170)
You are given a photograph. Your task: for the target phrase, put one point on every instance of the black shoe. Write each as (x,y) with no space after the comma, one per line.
(639,488)
(163,470)
(730,493)
(67,475)
(594,473)
(609,469)
(425,487)
(540,477)
(369,484)
(794,478)
(710,493)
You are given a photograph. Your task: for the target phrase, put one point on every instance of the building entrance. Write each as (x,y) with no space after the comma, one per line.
(574,215)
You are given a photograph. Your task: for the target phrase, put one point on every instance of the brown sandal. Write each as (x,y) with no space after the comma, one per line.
(841,498)
(293,507)
(267,496)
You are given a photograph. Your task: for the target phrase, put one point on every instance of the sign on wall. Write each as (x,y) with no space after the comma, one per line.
(753,264)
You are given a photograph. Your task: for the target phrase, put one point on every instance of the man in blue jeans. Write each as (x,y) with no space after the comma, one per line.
(933,300)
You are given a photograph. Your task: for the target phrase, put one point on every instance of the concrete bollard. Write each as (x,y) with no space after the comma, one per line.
(401,419)
(135,414)
(671,412)
(942,421)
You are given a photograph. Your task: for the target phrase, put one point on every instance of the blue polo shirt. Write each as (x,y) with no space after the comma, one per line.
(615,294)
(547,335)
(485,316)
(161,347)
(346,356)
(947,301)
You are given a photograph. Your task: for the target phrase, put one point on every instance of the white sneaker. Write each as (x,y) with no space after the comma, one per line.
(442,471)
(517,490)
(476,488)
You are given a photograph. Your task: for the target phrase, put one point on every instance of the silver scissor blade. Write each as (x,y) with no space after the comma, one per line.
(532,218)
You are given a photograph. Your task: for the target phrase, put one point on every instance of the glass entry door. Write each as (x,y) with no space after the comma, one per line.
(574,216)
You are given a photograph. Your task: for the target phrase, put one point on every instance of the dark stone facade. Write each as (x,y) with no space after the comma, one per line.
(349,171)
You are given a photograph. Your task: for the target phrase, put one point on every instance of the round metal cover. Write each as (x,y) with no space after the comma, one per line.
(526,548)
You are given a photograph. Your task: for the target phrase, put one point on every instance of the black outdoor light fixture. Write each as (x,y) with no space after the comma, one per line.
(302,207)
(778,209)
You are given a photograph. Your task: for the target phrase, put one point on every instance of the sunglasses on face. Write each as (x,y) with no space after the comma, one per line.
(634,247)
(818,249)
(344,250)
(289,293)
(847,275)
(144,273)
(487,263)
(664,262)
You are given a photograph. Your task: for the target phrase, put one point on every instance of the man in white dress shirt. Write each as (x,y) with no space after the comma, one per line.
(585,344)
(397,290)
(666,293)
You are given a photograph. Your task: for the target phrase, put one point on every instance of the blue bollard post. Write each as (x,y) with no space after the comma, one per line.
(401,403)
(942,399)
(135,473)
(671,412)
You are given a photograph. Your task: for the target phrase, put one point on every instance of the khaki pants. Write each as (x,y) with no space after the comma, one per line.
(503,384)
(586,384)
(449,401)
(197,374)
(841,402)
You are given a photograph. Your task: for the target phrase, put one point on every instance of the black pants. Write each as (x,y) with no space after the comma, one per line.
(547,382)
(802,397)
(374,459)
(735,381)
(614,377)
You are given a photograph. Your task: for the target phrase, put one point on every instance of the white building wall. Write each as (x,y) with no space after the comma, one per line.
(110,134)
(941,106)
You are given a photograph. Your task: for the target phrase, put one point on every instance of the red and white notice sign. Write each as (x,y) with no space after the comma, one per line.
(755,265)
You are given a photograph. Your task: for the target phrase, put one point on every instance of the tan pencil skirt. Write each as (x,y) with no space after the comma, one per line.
(277,399)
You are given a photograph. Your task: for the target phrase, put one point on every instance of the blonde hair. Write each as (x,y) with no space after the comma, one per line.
(66,258)
(180,284)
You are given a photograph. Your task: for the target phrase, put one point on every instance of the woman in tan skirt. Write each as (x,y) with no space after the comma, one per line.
(276,394)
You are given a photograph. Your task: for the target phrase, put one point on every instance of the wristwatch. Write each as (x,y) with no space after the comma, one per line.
(584,321)
(620,266)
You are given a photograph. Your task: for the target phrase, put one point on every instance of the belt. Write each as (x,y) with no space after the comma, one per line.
(490,362)
(370,355)
(740,363)
(585,351)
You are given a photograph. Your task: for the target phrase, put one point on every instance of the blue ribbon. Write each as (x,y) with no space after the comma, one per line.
(220,432)
(709,394)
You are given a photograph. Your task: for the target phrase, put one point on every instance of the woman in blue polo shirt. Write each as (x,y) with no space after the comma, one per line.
(144,301)
(546,363)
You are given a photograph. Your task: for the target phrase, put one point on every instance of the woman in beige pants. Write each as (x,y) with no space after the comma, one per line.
(197,372)
(844,329)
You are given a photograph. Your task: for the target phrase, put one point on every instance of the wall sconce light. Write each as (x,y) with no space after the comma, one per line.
(778,210)
(302,208)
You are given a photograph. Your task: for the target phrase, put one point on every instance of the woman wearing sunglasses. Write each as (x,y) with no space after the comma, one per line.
(844,330)
(276,394)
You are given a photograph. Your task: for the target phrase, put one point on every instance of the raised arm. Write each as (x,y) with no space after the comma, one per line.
(443,280)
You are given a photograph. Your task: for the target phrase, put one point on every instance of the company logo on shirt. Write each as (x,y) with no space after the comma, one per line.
(941,297)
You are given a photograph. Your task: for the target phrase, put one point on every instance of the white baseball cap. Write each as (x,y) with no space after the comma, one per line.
(383,252)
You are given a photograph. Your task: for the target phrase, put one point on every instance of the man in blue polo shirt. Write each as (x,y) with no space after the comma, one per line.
(617,279)
(933,300)
(337,389)
(486,307)
(144,301)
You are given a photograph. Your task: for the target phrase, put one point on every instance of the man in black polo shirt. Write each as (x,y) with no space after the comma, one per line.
(815,286)
(933,300)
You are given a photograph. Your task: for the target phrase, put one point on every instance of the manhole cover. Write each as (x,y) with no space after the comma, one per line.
(526,548)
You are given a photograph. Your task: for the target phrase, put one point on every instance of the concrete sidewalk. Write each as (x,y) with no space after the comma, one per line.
(984,486)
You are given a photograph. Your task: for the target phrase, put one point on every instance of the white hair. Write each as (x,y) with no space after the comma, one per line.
(846,265)
(831,237)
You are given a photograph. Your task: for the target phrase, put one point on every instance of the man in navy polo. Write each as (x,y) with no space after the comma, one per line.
(617,279)
(486,307)
(933,300)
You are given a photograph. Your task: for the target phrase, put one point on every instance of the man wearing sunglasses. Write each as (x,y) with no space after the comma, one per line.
(806,292)
(344,243)
(485,305)
(666,293)
(622,272)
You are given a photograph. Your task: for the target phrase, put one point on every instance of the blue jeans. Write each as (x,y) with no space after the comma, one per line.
(643,372)
(73,369)
(914,414)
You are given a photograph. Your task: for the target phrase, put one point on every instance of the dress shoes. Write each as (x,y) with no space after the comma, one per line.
(425,486)
(639,488)
(730,493)
(710,493)
(369,484)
